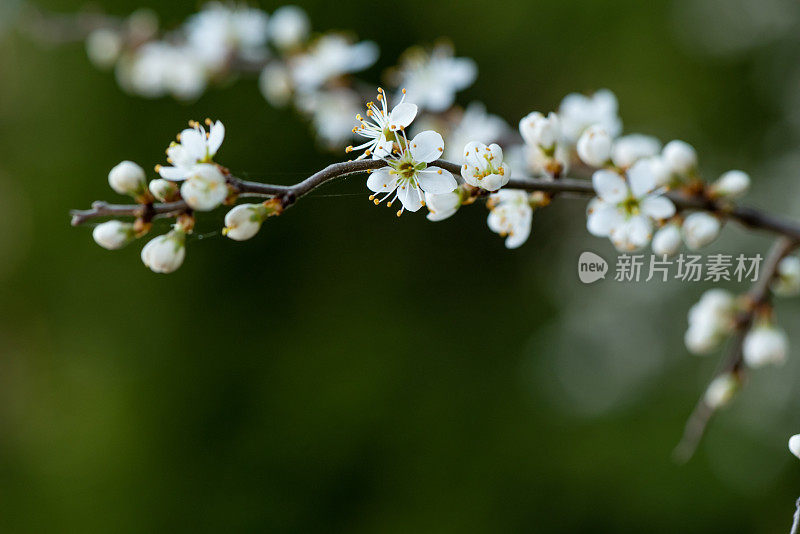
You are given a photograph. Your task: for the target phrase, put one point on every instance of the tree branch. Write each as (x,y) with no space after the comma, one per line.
(733,362)
(288,195)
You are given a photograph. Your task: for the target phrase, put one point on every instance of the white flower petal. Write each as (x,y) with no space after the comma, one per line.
(172,173)
(410,196)
(658,207)
(402,115)
(427,146)
(382,181)
(601,218)
(610,186)
(215,137)
(194,144)
(437,181)
(632,234)
(641,179)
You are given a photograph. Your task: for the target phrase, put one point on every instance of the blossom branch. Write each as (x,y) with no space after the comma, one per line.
(733,363)
(749,217)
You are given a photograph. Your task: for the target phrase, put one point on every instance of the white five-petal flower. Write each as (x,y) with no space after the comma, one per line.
(381,126)
(483,166)
(328,57)
(511,216)
(408,176)
(624,210)
(434,78)
(195,146)
(578,112)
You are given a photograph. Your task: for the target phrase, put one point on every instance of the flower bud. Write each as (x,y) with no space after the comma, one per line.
(164,190)
(127,178)
(667,240)
(103,47)
(483,166)
(794,445)
(732,184)
(787,280)
(288,26)
(442,206)
(765,344)
(541,131)
(244,221)
(710,320)
(680,157)
(721,390)
(702,338)
(594,146)
(631,148)
(700,229)
(205,188)
(113,235)
(165,253)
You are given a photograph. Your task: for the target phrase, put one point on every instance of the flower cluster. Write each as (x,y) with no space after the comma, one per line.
(203,187)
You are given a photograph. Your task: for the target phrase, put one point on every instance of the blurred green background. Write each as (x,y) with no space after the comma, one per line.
(348,371)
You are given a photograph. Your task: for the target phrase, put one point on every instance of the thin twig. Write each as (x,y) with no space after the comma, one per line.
(796,521)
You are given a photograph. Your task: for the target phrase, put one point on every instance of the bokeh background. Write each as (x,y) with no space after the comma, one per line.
(348,371)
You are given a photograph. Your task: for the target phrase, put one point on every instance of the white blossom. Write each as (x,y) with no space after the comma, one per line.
(205,188)
(629,149)
(113,235)
(275,84)
(511,215)
(700,229)
(483,166)
(380,127)
(680,157)
(220,32)
(244,221)
(157,69)
(165,253)
(732,184)
(289,27)
(443,205)
(787,280)
(578,112)
(721,390)
(594,146)
(433,79)
(127,178)
(474,124)
(667,240)
(765,344)
(103,46)
(163,190)
(545,154)
(794,445)
(332,114)
(331,56)
(624,210)
(711,319)
(408,175)
(540,131)
(195,146)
